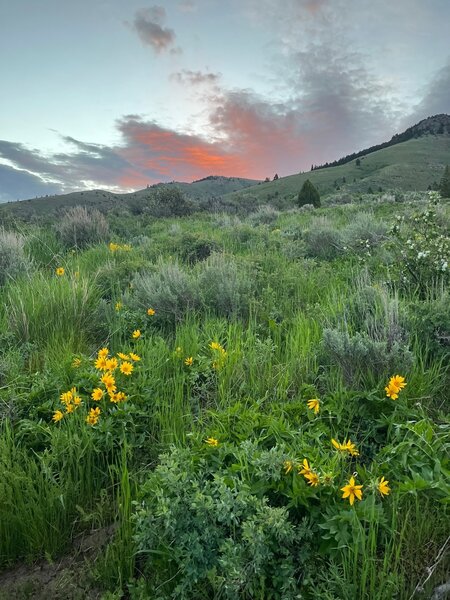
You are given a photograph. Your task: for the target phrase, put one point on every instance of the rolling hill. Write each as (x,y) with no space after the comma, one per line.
(414,164)
(202,189)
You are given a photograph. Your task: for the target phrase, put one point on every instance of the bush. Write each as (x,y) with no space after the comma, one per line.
(323,241)
(162,202)
(194,248)
(224,289)
(81,227)
(364,230)
(422,250)
(169,290)
(265,215)
(13,260)
(202,534)
(360,357)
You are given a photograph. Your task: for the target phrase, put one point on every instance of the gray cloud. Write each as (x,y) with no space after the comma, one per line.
(194,78)
(148,23)
(436,97)
(17,184)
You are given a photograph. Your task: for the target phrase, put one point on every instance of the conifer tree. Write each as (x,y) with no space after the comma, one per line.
(444,186)
(308,195)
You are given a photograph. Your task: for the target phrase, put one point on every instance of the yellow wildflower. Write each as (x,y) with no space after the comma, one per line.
(70,408)
(76,401)
(118,306)
(101,364)
(66,397)
(117,397)
(314,405)
(352,491)
(136,334)
(212,441)
(93,416)
(151,312)
(126,368)
(108,381)
(383,487)
(57,416)
(306,470)
(313,479)
(134,357)
(103,353)
(350,447)
(288,466)
(215,346)
(123,356)
(97,394)
(60,271)
(112,364)
(395,386)
(188,361)
(347,446)
(76,363)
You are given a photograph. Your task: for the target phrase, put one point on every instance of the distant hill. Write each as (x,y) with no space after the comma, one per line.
(414,164)
(210,187)
(436,125)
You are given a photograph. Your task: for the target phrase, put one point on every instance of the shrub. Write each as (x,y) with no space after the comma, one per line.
(194,248)
(13,260)
(360,357)
(165,202)
(202,533)
(422,248)
(169,290)
(323,241)
(265,215)
(81,227)
(364,230)
(225,290)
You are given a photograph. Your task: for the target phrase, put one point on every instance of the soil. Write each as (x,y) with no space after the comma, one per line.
(64,579)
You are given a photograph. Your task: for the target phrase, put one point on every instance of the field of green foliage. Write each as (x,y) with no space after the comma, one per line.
(252,407)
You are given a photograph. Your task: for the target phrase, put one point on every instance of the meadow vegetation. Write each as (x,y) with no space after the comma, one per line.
(253,405)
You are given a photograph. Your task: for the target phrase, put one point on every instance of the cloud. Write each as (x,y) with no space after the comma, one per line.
(188,6)
(18,184)
(148,24)
(195,78)
(436,96)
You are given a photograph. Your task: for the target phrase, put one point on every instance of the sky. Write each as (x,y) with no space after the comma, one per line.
(116,94)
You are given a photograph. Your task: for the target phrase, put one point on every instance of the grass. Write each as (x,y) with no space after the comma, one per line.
(63,478)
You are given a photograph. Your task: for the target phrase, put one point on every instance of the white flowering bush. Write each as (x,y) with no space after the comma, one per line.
(422,249)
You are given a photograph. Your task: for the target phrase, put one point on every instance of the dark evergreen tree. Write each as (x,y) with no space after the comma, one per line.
(308,195)
(275,177)
(358,162)
(444,186)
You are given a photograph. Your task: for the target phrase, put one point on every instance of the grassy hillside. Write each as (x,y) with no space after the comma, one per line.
(411,165)
(203,189)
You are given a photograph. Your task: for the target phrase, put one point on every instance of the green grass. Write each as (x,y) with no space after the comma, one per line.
(60,479)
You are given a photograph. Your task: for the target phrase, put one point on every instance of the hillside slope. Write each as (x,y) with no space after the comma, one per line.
(209,187)
(411,165)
